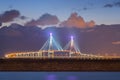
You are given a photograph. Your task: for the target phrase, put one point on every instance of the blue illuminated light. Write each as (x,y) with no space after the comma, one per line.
(71,37)
(50,34)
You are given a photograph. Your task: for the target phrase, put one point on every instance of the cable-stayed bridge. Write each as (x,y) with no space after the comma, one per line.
(52,57)
(52,49)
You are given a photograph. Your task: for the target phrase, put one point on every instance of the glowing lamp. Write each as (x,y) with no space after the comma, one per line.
(50,34)
(71,37)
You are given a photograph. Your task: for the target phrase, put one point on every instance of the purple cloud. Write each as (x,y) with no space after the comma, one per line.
(8,16)
(45,19)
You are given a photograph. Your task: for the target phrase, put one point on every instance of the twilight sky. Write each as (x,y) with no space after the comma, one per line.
(101,11)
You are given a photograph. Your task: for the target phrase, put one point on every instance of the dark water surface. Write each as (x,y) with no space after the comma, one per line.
(59,75)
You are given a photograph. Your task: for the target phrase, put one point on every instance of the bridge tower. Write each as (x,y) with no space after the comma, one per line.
(72,46)
(51,41)
(50,45)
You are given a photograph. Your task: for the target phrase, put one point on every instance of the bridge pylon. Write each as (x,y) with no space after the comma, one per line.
(72,46)
(50,45)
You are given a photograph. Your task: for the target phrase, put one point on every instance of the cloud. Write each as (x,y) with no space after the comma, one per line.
(90,24)
(116,43)
(76,21)
(85,8)
(32,23)
(23,17)
(8,16)
(108,5)
(45,19)
(116,4)
(80,9)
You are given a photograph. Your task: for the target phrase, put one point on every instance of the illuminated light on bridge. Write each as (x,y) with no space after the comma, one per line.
(51,39)
(50,34)
(51,49)
(71,43)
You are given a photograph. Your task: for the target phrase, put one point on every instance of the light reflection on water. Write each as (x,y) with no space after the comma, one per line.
(59,75)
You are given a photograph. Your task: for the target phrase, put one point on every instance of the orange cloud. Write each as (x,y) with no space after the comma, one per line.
(116,43)
(90,24)
(76,21)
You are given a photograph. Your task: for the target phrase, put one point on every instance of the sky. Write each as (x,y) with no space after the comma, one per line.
(101,11)
(59,75)
(82,14)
